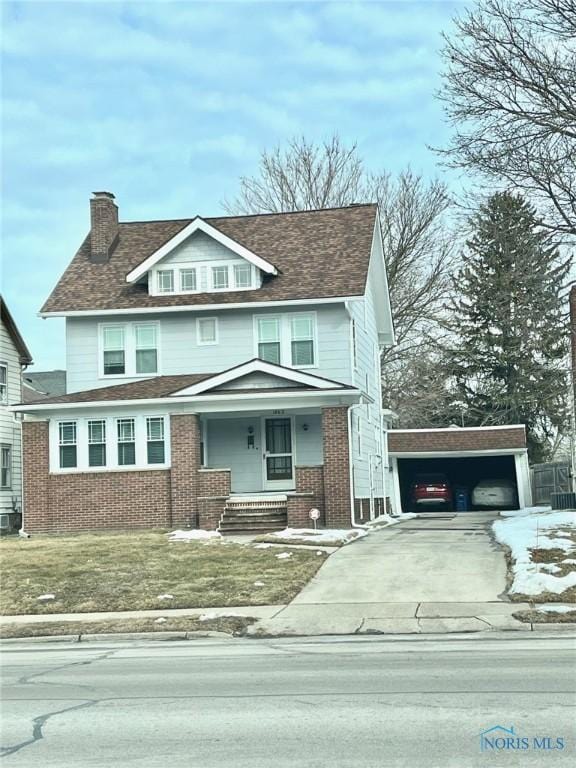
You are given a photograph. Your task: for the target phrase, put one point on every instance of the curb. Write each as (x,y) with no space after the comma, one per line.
(199,634)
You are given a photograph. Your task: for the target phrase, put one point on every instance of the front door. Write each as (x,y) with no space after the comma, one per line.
(278,456)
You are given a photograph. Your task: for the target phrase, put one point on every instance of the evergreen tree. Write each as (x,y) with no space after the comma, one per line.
(509,361)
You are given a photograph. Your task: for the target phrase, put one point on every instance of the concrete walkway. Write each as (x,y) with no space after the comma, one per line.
(436,573)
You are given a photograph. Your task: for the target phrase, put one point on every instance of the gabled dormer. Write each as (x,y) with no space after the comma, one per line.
(201,259)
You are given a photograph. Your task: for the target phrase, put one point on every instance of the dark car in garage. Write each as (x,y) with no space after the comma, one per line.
(431,491)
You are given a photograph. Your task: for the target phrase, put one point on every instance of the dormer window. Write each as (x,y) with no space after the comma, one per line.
(188,280)
(204,277)
(220,279)
(165,279)
(242,275)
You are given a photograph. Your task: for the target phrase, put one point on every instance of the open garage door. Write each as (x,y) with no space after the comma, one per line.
(463,475)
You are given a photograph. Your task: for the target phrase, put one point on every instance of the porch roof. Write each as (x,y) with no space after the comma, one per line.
(176,388)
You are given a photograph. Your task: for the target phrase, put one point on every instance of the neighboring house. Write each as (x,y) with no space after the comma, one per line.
(220,372)
(37,385)
(14,356)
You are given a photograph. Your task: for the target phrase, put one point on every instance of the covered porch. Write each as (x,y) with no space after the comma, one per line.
(266,469)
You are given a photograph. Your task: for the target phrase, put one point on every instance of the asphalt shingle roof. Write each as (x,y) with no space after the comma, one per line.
(319,254)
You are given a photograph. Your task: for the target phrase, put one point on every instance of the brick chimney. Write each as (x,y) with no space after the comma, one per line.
(103,226)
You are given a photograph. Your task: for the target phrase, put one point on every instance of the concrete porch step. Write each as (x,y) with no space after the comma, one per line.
(255,513)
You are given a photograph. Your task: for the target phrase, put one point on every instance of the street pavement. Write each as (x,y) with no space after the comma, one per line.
(334,702)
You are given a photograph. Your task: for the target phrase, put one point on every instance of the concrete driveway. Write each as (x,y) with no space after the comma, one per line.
(436,558)
(438,573)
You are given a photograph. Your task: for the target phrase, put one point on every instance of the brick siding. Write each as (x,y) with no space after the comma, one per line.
(180,497)
(456,440)
(336,467)
(310,494)
(213,490)
(86,501)
(185,463)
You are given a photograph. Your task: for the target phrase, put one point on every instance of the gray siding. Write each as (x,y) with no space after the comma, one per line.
(368,452)
(200,247)
(180,352)
(10,431)
(227,448)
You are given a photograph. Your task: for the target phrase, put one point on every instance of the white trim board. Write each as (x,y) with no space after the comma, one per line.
(457,430)
(457,454)
(198,307)
(256,366)
(199,225)
(198,400)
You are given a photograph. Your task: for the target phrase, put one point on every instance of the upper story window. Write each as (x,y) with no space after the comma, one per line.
(3,383)
(207,330)
(129,349)
(288,340)
(204,277)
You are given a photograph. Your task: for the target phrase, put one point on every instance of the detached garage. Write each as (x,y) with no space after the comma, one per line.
(465,456)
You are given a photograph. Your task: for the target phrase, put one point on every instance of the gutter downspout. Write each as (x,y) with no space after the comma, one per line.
(351,466)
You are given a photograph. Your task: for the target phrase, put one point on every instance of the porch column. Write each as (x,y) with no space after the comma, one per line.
(185,453)
(35,477)
(336,466)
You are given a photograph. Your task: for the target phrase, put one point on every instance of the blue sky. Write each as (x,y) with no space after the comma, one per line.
(167,104)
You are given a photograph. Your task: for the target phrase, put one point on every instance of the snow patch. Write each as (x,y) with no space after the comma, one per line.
(161,620)
(258,583)
(48,596)
(555,608)
(325,536)
(165,597)
(522,534)
(283,555)
(215,615)
(195,535)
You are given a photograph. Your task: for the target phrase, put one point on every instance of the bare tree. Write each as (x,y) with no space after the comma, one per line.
(417,244)
(302,176)
(510,93)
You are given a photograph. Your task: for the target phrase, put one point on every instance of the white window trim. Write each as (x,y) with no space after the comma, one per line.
(82,465)
(4,397)
(203,270)
(285,319)
(199,321)
(198,224)
(129,350)
(157,273)
(9,467)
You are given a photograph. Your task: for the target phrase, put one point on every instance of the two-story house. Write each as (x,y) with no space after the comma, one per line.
(14,356)
(220,372)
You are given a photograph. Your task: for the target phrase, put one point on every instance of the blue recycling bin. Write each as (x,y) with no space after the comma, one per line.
(462,499)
